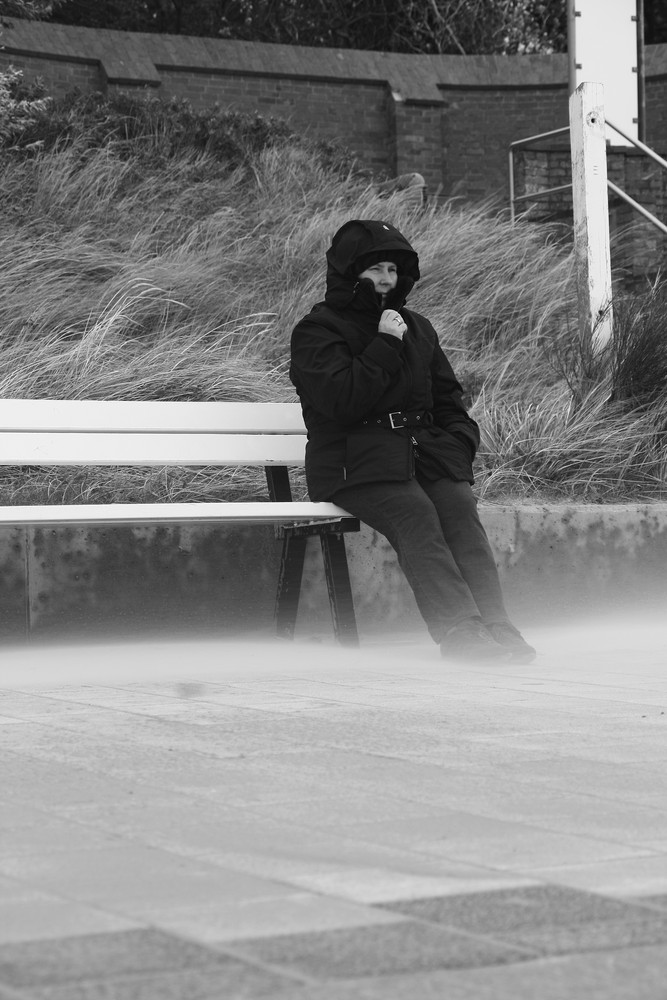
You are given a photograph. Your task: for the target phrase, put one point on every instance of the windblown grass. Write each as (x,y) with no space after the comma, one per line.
(562,423)
(136,266)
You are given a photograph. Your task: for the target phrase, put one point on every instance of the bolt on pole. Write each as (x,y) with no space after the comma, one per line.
(591,214)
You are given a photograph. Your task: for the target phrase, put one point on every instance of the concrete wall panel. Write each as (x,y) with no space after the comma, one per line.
(556,562)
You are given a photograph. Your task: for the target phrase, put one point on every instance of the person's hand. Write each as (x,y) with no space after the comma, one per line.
(392,323)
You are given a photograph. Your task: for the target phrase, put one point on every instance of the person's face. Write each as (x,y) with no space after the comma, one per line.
(383,275)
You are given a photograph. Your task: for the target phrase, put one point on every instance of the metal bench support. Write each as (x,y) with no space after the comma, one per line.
(336,570)
(289,585)
(340,592)
(336,573)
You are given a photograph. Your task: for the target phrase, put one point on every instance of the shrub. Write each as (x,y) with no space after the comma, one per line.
(135,126)
(21,106)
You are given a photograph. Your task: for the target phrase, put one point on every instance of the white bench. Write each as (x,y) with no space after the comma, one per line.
(42,432)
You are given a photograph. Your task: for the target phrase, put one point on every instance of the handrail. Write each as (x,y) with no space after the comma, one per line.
(542,135)
(541,194)
(635,204)
(640,145)
(536,195)
(526,142)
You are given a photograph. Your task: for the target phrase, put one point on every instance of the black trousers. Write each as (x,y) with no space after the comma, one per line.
(441,545)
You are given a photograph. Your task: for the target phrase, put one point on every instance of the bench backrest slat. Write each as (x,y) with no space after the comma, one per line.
(150,449)
(150,416)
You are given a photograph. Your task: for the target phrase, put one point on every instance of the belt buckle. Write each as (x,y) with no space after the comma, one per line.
(399,415)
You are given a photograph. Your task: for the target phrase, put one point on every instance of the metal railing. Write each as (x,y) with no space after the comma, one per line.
(619,192)
(519,144)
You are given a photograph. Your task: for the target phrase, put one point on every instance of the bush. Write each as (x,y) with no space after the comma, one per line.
(21,106)
(137,127)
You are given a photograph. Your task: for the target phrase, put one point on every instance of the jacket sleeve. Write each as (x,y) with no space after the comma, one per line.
(341,386)
(448,409)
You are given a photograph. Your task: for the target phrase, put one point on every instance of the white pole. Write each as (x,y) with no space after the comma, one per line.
(591,213)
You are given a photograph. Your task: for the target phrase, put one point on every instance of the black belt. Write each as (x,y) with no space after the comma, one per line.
(399,418)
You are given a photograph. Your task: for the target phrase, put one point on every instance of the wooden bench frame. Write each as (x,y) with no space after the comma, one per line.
(40,432)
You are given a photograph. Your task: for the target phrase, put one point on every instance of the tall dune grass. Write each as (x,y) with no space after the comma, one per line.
(180,275)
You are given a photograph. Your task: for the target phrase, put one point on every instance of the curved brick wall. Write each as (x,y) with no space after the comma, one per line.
(451,118)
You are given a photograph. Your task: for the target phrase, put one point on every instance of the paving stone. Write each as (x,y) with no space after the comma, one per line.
(513,910)
(332,867)
(332,990)
(378,885)
(51,783)
(632,783)
(328,780)
(604,936)
(625,878)
(635,974)
(233,980)
(136,880)
(342,810)
(373,951)
(231,919)
(66,960)
(583,815)
(469,836)
(659,901)
(33,915)
(52,834)
(547,919)
(19,814)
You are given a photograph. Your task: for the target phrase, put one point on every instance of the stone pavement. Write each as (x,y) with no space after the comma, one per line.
(223,820)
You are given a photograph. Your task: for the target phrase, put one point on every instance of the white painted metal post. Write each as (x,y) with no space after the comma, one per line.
(591,213)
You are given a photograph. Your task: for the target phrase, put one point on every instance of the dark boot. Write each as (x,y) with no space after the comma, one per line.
(469,641)
(511,639)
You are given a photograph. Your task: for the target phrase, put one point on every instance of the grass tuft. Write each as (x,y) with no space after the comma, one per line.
(151,252)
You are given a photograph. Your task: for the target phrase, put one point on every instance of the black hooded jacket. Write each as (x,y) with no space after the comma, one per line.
(348,376)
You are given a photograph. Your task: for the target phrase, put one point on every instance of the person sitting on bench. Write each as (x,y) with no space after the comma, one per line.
(390,441)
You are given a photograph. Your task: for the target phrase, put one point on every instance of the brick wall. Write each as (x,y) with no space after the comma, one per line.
(321,109)
(450,118)
(481,123)
(61,78)
(639,249)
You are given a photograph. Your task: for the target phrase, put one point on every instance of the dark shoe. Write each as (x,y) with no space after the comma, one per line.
(470,641)
(512,640)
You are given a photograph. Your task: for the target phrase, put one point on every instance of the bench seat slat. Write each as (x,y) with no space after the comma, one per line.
(150,416)
(147,513)
(26,448)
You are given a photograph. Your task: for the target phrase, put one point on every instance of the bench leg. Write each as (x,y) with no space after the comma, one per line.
(289,585)
(340,592)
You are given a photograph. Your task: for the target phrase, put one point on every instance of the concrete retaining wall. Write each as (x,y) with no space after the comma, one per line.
(556,563)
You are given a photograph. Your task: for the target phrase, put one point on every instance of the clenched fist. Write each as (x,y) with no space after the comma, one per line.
(392,323)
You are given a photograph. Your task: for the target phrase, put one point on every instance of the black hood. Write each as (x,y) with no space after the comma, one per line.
(356,239)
